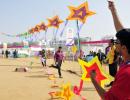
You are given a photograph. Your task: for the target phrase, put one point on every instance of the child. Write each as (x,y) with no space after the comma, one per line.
(43,57)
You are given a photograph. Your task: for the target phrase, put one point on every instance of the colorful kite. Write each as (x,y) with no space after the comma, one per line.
(65,93)
(43,26)
(101,76)
(31,31)
(80,13)
(33,36)
(37,28)
(54,22)
(74,49)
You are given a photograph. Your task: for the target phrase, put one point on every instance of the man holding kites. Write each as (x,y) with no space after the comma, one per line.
(120,89)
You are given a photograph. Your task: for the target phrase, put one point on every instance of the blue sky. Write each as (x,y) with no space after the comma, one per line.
(17,16)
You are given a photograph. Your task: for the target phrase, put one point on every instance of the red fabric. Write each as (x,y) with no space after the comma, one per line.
(120,89)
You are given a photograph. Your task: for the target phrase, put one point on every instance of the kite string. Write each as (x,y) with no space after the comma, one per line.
(66,22)
(45,34)
(55,34)
(78,31)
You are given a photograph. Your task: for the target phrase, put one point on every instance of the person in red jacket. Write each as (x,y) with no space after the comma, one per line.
(120,89)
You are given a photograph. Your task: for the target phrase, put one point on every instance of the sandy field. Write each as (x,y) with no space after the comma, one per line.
(34,84)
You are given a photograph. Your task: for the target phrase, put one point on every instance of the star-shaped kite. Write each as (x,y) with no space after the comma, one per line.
(80,13)
(101,77)
(43,26)
(67,93)
(37,28)
(31,30)
(54,22)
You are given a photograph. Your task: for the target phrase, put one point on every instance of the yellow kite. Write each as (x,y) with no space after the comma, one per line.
(43,26)
(74,49)
(80,13)
(37,28)
(66,92)
(101,76)
(54,22)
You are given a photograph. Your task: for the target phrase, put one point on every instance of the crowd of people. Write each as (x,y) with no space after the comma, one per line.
(101,56)
(9,53)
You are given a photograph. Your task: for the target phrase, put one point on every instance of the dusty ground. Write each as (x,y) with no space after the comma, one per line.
(34,84)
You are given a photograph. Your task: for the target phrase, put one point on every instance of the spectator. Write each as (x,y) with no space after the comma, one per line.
(101,56)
